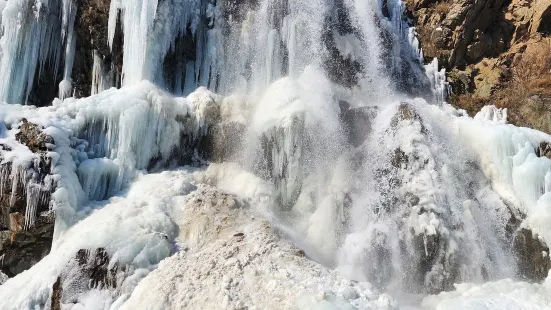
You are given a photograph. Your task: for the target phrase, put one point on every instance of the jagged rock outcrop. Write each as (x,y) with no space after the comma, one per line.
(26,221)
(532,255)
(223,141)
(496,52)
(544,150)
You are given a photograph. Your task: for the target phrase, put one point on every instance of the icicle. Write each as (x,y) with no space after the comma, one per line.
(102,78)
(67,34)
(138,20)
(437,78)
(99,178)
(34,193)
(31,39)
(17,178)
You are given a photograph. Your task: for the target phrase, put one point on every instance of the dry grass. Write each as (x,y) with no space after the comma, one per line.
(531,75)
(533,72)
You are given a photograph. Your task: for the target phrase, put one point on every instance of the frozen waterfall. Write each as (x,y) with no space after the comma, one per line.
(318,116)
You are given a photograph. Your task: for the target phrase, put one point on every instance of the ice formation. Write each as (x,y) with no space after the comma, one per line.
(101,142)
(103,77)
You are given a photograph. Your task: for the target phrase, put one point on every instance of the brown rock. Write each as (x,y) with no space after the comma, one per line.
(544,149)
(24,242)
(89,269)
(91,25)
(541,19)
(532,256)
(31,135)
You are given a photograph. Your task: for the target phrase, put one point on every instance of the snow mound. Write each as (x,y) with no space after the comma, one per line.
(232,260)
(500,295)
(225,254)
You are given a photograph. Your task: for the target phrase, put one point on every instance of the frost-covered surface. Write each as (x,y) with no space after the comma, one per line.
(242,263)
(131,227)
(194,238)
(507,155)
(202,214)
(500,295)
(421,202)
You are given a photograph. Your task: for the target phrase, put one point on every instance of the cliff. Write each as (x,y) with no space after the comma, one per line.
(495,52)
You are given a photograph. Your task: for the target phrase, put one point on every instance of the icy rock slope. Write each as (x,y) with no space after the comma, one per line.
(227,255)
(102,142)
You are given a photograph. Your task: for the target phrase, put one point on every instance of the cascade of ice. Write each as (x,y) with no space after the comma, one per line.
(384,188)
(34,33)
(102,143)
(366,16)
(416,225)
(150,32)
(137,20)
(394,210)
(275,37)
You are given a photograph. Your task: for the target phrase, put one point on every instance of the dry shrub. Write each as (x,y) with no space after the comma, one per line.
(424,33)
(443,7)
(468,102)
(531,75)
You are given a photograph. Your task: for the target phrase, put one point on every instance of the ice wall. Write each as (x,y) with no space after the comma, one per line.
(225,46)
(511,158)
(34,35)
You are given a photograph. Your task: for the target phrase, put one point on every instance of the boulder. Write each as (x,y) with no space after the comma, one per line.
(89,269)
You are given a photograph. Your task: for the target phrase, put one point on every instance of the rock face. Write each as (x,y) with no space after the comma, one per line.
(91,45)
(87,270)
(26,223)
(496,52)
